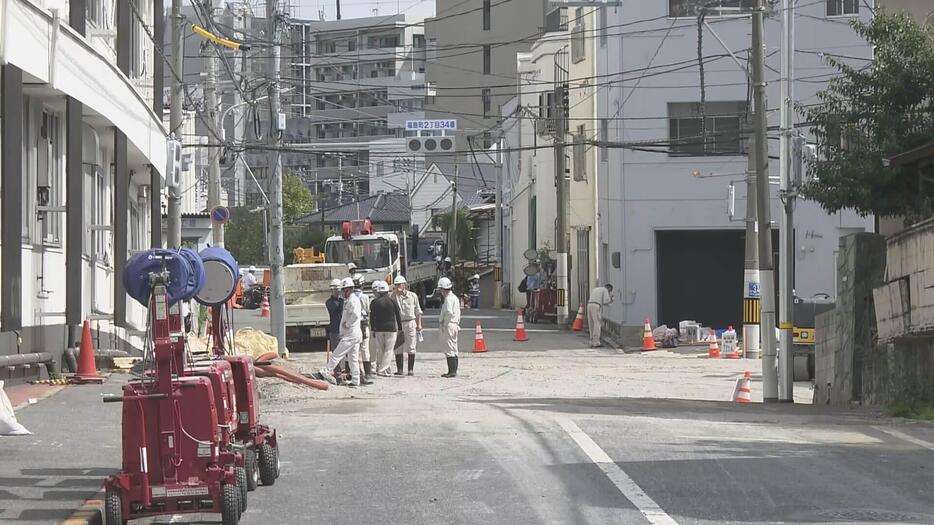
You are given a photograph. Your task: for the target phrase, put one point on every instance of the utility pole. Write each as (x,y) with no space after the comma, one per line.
(209,53)
(561,235)
(174,218)
(751,296)
(276,256)
(767,287)
(452,241)
(786,281)
(498,226)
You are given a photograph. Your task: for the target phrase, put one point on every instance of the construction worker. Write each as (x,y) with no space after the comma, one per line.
(473,290)
(599,297)
(385,323)
(350,336)
(352,269)
(364,326)
(249,280)
(411,312)
(450,325)
(335,305)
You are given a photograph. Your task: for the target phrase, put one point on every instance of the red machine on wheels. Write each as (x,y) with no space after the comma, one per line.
(191,437)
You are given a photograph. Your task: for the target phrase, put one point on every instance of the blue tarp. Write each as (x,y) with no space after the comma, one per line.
(184,266)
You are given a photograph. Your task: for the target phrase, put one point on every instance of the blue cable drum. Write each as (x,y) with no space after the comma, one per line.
(184,272)
(222,273)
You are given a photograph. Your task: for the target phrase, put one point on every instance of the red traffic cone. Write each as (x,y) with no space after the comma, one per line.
(520,328)
(264,308)
(579,320)
(713,349)
(87,369)
(479,344)
(648,340)
(744,392)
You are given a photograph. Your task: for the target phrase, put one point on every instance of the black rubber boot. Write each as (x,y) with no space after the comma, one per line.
(411,364)
(451,365)
(399,371)
(456,362)
(367,370)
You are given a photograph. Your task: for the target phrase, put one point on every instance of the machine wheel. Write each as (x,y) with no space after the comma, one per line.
(252,470)
(242,484)
(268,464)
(230,504)
(114,509)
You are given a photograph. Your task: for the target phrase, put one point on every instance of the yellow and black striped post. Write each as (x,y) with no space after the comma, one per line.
(751,310)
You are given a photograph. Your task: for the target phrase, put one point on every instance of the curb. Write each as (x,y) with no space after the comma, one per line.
(90,513)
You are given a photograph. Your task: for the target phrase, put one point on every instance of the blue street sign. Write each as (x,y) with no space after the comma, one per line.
(220,214)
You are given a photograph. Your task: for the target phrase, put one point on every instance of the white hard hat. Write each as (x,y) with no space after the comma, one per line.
(445,284)
(399,280)
(335,283)
(351,266)
(252,269)
(475,277)
(381,286)
(347,282)
(358,278)
(376,285)
(447,259)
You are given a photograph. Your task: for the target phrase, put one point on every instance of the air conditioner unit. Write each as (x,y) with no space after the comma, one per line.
(430,145)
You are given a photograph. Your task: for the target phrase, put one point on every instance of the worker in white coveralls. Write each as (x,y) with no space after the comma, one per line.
(450,325)
(411,312)
(349,345)
(364,326)
(385,325)
(599,297)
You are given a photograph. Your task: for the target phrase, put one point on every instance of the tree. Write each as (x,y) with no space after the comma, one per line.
(244,236)
(466,236)
(297,200)
(870,113)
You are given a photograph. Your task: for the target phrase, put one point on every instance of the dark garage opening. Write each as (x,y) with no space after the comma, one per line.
(700,276)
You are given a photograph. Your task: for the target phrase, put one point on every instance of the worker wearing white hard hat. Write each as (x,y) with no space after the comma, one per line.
(473,291)
(249,280)
(364,326)
(450,325)
(350,337)
(335,305)
(352,268)
(385,323)
(411,311)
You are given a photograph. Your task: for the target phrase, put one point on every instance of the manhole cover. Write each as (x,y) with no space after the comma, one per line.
(873,515)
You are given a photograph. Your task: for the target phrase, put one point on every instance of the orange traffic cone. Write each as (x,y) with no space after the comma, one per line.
(87,369)
(264,308)
(713,350)
(744,393)
(520,328)
(648,340)
(579,320)
(479,345)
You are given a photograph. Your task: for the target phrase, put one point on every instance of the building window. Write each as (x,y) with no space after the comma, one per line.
(842,7)
(604,138)
(533,220)
(52,132)
(720,134)
(351,45)
(389,41)
(486,15)
(602,16)
(487,102)
(487,67)
(690,8)
(578,47)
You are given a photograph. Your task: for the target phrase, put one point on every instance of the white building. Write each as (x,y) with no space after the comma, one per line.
(667,242)
(82,150)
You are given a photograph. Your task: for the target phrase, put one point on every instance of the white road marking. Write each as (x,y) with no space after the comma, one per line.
(911,439)
(623,482)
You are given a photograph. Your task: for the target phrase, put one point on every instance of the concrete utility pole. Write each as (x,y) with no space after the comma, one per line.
(209,53)
(561,184)
(174,219)
(452,241)
(767,288)
(498,227)
(751,296)
(276,255)
(786,281)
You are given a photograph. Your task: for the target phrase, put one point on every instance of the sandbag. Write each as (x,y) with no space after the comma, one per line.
(185,268)
(8,424)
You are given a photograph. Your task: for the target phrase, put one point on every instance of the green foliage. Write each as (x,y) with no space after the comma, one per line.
(466,235)
(301,236)
(297,200)
(243,236)
(871,112)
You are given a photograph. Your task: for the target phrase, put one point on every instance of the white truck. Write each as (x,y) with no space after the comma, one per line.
(377,255)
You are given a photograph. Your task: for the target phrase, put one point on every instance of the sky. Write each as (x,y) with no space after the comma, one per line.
(308,9)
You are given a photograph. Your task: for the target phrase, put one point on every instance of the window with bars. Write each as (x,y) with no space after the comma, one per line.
(842,7)
(604,138)
(487,102)
(487,59)
(486,15)
(718,134)
(578,47)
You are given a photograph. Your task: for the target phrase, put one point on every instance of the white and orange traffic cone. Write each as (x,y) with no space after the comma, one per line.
(744,391)
(520,328)
(648,340)
(479,344)
(579,320)
(264,309)
(713,349)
